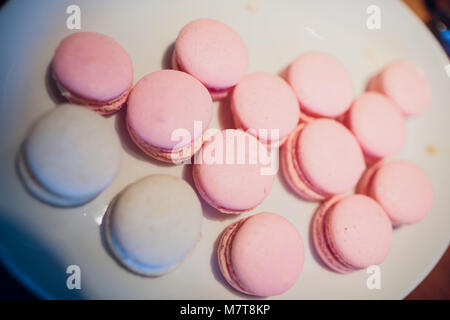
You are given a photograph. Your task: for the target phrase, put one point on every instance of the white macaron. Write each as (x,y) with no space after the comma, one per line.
(153,224)
(69,157)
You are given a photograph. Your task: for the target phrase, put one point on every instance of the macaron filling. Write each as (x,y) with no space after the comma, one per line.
(323,241)
(224,256)
(307,189)
(167,155)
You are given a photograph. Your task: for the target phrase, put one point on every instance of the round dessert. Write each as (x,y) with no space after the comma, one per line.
(351,233)
(234,173)
(321,159)
(93,70)
(70,156)
(264,105)
(148,231)
(401,188)
(261,255)
(377,124)
(405,85)
(322,85)
(167,113)
(213,53)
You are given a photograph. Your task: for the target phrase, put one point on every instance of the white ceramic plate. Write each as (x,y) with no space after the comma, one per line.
(38,242)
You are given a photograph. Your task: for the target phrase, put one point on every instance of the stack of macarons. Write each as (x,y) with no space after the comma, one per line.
(330,143)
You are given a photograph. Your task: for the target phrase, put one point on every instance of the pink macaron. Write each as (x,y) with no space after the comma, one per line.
(265,105)
(213,53)
(322,85)
(401,188)
(261,255)
(321,159)
(377,124)
(405,85)
(232,172)
(93,70)
(168,112)
(351,233)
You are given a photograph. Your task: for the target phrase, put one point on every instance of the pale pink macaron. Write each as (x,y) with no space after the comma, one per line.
(233,172)
(321,159)
(322,85)
(401,188)
(377,124)
(405,84)
(93,70)
(212,52)
(261,255)
(168,111)
(351,233)
(266,106)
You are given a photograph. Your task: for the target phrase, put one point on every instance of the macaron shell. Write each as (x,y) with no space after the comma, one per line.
(406,85)
(165,101)
(290,169)
(366,179)
(404,191)
(263,101)
(212,52)
(223,255)
(92,66)
(231,185)
(329,156)
(359,230)
(319,239)
(378,125)
(148,229)
(267,254)
(103,108)
(73,152)
(322,85)
(41,193)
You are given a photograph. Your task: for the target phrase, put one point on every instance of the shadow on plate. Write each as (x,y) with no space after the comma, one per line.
(52,89)
(225,116)
(128,144)
(166,62)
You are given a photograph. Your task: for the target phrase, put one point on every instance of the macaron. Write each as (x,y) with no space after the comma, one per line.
(232,173)
(212,52)
(378,125)
(401,188)
(351,233)
(153,224)
(405,85)
(261,255)
(264,105)
(322,85)
(70,156)
(167,113)
(93,70)
(321,159)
